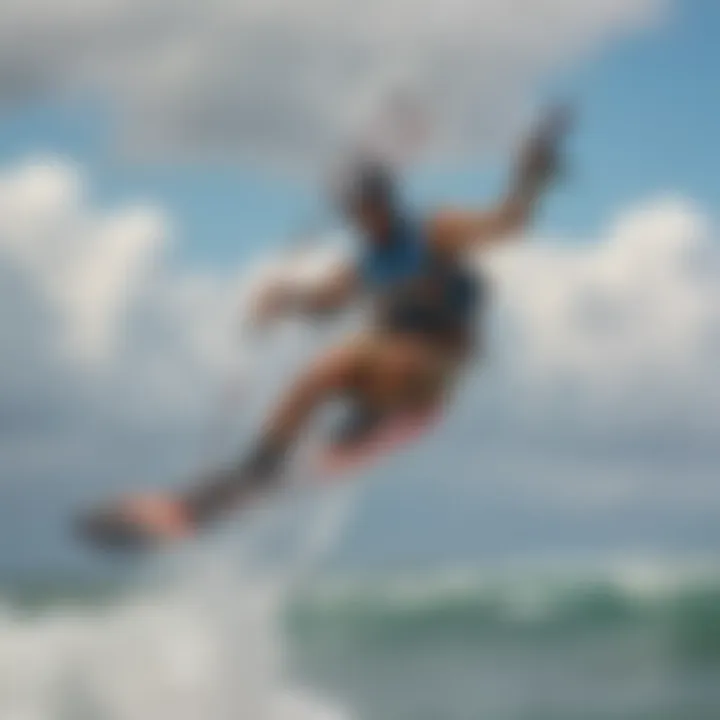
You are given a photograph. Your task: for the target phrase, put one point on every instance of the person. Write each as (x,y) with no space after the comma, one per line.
(425,303)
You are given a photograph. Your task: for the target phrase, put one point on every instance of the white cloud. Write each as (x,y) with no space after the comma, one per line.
(630,321)
(101,345)
(602,370)
(112,359)
(598,396)
(280,78)
(87,265)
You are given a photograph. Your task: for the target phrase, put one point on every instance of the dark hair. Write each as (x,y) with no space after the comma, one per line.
(370,183)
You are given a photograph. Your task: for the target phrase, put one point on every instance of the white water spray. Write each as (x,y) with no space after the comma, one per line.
(206,643)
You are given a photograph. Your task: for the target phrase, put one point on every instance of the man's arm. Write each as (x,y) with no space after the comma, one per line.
(331,294)
(456,231)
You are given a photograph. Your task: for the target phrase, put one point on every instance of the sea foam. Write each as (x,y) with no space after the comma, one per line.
(206,643)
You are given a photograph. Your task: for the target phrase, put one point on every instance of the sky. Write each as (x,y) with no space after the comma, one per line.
(152,154)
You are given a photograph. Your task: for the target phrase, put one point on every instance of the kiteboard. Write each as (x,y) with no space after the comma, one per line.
(149,521)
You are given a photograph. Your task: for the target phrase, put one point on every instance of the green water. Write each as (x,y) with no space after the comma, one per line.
(578,651)
(530,648)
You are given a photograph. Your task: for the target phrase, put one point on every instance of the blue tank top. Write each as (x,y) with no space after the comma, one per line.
(416,291)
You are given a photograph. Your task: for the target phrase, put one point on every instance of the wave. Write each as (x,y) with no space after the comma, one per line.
(206,642)
(214,642)
(681,598)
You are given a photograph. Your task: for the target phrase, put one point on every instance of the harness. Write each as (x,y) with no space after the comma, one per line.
(417,291)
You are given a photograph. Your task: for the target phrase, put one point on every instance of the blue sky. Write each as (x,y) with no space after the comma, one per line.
(648,122)
(124,240)
(649,106)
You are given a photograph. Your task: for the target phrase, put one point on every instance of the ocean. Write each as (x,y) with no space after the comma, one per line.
(539,647)
(639,641)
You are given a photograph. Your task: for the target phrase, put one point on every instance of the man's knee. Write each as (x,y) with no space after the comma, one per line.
(337,370)
(405,364)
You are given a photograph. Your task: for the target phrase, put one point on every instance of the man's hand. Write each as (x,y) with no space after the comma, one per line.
(272,302)
(540,162)
(281,298)
(456,231)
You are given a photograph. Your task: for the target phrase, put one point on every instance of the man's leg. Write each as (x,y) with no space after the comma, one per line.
(384,374)
(145,520)
(411,373)
(406,382)
(334,374)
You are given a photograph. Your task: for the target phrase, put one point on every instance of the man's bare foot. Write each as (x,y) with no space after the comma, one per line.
(137,523)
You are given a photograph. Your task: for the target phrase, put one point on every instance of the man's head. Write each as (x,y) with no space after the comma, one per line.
(369,200)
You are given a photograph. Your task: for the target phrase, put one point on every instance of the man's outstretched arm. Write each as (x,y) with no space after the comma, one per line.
(282,299)
(457,231)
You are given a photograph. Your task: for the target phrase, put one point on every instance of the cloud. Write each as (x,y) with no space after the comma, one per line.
(117,365)
(86,265)
(281,79)
(596,397)
(630,321)
(102,348)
